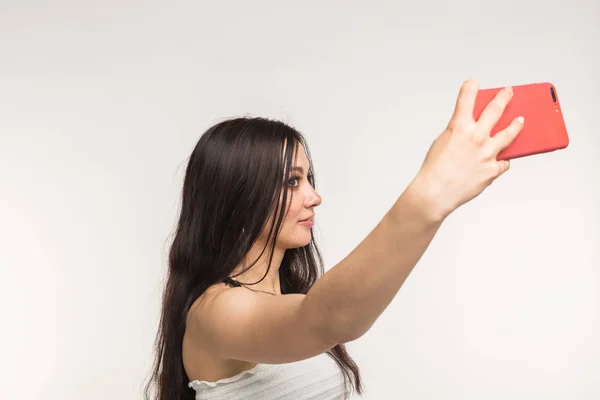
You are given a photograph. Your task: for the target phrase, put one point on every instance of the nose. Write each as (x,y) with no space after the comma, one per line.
(313,199)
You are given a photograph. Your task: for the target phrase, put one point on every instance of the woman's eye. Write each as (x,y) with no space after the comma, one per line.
(297,178)
(293,179)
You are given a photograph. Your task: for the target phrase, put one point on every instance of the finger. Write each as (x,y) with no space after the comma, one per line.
(465,103)
(494,109)
(503,166)
(505,137)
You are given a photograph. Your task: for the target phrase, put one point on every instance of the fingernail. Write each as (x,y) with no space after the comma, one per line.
(521,119)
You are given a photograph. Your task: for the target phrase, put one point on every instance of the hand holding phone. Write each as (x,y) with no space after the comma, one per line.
(488,128)
(538,103)
(463,160)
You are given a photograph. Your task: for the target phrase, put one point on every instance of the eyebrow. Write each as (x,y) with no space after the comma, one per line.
(298,169)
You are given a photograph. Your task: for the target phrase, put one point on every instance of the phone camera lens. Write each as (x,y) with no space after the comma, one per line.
(553,94)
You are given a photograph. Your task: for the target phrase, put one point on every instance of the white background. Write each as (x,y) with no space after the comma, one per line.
(102,102)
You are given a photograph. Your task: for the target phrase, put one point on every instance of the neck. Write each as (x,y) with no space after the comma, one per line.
(271,281)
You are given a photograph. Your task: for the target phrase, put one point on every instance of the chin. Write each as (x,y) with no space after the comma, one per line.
(294,244)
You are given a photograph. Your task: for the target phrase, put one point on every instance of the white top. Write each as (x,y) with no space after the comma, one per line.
(316,378)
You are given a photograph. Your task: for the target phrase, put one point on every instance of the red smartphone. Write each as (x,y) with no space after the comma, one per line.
(544,130)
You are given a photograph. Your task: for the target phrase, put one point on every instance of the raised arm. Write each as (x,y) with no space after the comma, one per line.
(348,299)
(460,164)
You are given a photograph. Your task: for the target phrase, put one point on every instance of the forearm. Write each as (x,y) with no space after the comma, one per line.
(459,165)
(354,293)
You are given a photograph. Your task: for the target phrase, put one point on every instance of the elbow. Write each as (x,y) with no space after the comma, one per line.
(343,330)
(350,335)
(328,327)
(332,327)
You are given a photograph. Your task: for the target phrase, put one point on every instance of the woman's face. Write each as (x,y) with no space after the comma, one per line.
(303,199)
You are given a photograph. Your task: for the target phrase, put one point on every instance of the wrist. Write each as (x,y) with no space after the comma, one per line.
(425,198)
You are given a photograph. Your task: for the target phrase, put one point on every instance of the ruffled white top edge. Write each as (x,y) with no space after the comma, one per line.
(197,384)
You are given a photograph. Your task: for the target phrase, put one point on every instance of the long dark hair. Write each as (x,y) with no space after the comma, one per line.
(232,185)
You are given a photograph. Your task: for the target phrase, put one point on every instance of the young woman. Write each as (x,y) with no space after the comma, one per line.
(247,311)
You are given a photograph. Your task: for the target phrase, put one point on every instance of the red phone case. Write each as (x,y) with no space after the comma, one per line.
(544,128)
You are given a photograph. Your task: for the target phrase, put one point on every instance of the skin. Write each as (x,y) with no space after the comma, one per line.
(231,329)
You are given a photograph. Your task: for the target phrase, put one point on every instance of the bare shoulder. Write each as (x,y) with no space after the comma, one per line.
(217,302)
(220,295)
(200,359)
(235,323)
(200,308)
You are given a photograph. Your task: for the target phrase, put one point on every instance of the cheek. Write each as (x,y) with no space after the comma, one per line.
(291,221)
(295,212)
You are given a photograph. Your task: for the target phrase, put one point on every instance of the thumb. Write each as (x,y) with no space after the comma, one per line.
(503,166)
